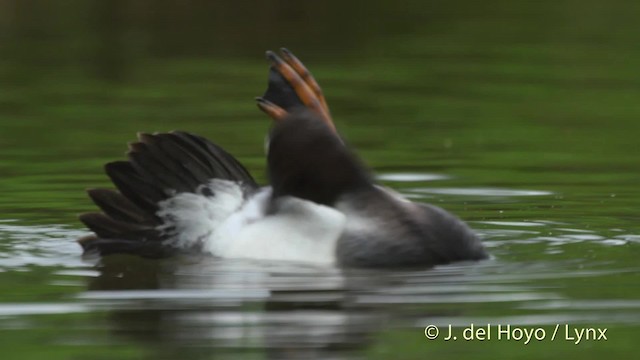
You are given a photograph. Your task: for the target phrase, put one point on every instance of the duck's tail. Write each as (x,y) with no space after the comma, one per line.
(159,167)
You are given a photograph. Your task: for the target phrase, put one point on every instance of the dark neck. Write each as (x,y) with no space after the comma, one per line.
(308,160)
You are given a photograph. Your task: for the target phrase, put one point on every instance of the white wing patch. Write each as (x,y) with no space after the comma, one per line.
(191,217)
(229,226)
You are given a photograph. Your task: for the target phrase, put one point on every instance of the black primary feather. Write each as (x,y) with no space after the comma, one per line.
(158,167)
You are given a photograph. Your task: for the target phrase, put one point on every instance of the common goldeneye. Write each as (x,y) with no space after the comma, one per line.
(179,192)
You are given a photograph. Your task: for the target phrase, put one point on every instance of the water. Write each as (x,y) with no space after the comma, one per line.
(520,118)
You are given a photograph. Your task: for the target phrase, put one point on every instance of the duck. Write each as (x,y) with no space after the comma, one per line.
(179,193)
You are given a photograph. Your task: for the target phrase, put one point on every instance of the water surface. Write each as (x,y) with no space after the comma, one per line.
(521,119)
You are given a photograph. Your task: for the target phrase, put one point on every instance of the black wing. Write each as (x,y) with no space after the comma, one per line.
(159,166)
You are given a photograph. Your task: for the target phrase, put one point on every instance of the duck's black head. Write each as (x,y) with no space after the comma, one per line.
(308,160)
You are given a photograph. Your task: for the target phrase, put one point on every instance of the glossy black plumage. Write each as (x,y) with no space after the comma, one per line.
(159,166)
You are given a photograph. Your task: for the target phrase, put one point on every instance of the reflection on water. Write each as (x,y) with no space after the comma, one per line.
(410,177)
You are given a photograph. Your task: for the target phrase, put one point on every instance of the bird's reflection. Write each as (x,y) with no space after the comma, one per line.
(203,306)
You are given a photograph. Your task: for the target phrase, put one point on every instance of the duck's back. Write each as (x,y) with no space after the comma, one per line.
(385,230)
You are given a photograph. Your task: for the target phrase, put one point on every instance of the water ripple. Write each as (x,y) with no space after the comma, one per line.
(411,177)
(479,192)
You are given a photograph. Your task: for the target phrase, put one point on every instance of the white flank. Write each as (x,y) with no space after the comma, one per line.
(229,226)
